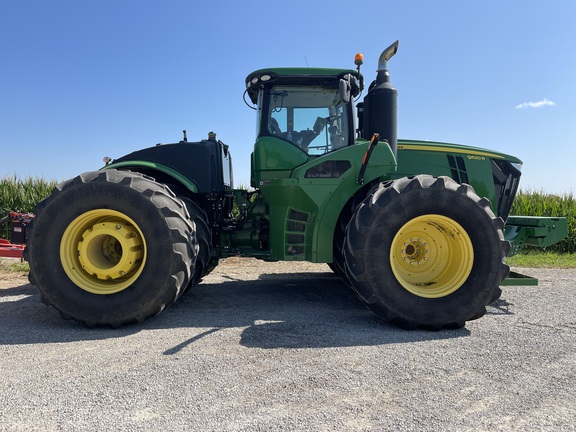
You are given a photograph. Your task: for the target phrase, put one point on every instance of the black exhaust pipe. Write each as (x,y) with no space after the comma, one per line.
(380,104)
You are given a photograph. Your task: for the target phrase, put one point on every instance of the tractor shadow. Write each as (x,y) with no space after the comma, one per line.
(499,307)
(298,310)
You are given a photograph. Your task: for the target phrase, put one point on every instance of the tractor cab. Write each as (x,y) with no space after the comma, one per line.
(301,114)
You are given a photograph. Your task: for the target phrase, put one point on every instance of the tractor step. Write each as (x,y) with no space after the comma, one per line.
(519,279)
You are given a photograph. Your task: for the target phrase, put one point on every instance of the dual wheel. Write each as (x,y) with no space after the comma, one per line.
(115,247)
(424,252)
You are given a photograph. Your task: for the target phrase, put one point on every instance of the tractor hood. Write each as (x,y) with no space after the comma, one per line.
(469,151)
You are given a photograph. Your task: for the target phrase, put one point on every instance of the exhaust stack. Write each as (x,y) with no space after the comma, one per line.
(380,104)
(387,54)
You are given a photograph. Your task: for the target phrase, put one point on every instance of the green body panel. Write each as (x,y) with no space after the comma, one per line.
(303,210)
(473,165)
(469,151)
(274,158)
(147,165)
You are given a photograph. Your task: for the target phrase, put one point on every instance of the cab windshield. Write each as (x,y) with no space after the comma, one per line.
(312,118)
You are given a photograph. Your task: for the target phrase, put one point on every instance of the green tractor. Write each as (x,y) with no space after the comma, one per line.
(416,229)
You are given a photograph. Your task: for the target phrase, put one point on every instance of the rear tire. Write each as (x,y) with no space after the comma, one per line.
(111,248)
(204,239)
(426,252)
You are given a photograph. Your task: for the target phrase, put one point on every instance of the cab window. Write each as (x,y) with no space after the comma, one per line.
(312,118)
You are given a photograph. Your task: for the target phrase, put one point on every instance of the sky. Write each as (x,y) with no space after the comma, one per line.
(81,80)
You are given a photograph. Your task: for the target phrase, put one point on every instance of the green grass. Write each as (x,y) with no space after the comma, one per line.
(542,259)
(14,266)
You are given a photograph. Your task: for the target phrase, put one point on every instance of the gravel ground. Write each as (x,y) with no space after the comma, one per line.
(285,346)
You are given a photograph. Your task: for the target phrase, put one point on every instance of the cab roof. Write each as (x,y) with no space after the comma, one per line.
(326,77)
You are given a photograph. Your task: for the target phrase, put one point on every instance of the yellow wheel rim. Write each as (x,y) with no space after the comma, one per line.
(431,256)
(103,251)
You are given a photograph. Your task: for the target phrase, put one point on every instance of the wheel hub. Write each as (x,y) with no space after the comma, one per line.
(109,250)
(415,251)
(103,251)
(431,256)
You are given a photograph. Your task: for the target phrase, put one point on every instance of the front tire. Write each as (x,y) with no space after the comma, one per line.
(426,252)
(111,248)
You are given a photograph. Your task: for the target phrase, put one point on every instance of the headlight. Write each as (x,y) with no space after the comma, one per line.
(517,165)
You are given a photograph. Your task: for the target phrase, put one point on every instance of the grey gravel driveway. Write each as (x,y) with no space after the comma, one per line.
(286,347)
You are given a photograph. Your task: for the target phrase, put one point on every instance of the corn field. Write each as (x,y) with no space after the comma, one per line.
(23,195)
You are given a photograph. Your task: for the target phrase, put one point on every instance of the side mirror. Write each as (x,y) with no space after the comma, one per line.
(344,91)
(319,125)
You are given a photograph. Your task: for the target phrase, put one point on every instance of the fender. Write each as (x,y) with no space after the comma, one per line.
(203,167)
(152,168)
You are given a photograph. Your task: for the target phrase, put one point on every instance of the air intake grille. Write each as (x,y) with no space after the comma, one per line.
(506,181)
(457,169)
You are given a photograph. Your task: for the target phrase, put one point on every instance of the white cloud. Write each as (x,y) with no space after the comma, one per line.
(538,104)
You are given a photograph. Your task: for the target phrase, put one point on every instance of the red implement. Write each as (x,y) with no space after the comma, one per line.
(18,223)
(11,250)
